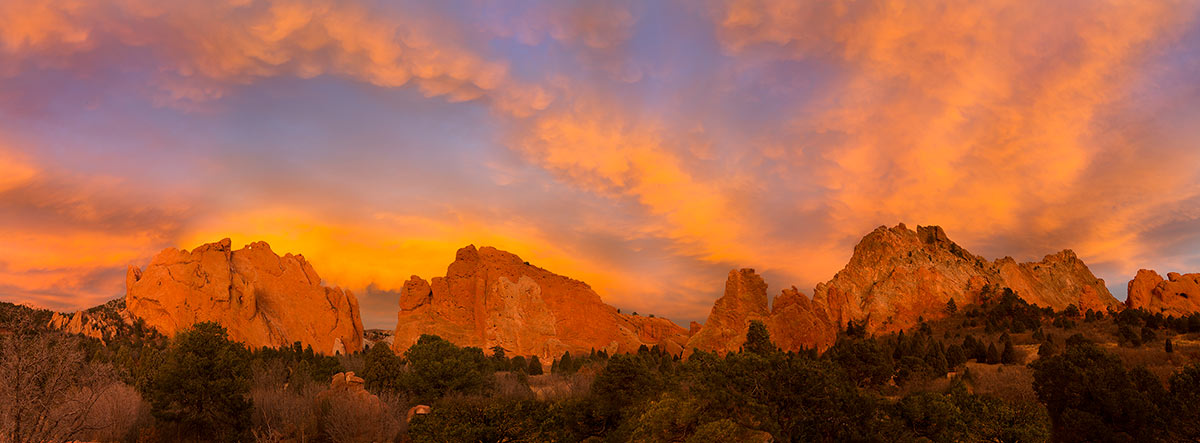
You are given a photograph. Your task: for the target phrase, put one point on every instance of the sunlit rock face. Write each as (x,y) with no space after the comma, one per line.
(493,298)
(793,322)
(262,299)
(1178,295)
(101,322)
(895,277)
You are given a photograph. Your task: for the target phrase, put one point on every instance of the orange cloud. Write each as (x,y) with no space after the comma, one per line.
(987,117)
(205,47)
(67,239)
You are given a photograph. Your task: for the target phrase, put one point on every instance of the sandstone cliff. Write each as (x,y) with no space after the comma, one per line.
(261,298)
(1178,295)
(794,322)
(895,277)
(493,298)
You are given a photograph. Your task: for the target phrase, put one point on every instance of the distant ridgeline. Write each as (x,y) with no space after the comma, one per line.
(493,299)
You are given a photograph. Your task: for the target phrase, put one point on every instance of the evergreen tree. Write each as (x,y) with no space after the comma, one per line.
(993,355)
(758,339)
(1047,349)
(1169,347)
(382,369)
(437,367)
(1009,355)
(951,306)
(535,366)
(202,385)
(955,356)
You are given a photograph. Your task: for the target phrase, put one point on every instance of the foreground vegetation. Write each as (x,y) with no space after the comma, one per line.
(999,371)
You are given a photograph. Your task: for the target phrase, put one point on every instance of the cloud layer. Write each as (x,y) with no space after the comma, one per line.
(644,147)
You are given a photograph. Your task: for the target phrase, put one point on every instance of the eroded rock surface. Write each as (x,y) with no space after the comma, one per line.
(895,277)
(262,299)
(1178,294)
(490,298)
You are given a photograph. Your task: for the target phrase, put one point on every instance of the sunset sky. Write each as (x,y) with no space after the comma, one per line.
(645,147)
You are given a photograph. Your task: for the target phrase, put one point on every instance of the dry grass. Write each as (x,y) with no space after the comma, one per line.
(553,387)
(1013,383)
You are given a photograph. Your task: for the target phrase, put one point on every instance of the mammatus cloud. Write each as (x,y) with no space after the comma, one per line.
(642,153)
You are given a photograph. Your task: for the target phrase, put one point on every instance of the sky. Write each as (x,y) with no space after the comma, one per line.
(645,147)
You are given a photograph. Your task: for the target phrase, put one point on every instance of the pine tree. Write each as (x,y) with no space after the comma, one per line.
(535,366)
(758,339)
(993,355)
(1170,348)
(1009,355)
(951,306)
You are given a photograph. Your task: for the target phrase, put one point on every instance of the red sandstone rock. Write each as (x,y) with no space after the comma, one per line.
(1178,295)
(745,299)
(493,298)
(897,276)
(262,299)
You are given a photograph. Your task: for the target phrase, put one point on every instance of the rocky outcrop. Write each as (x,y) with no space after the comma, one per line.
(493,298)
(897,276)
(1178,295)
(346,389)
(1058,281)
(793,322)
(102,322)
(262,299)
(745,300)
(797,323)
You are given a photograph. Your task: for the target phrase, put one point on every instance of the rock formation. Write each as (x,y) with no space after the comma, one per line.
(102,322)
(793,321)
(895,277)
(493,298)
(346,389)
(1178,295)
(262,299)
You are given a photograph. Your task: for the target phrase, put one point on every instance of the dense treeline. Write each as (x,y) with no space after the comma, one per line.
(925,383)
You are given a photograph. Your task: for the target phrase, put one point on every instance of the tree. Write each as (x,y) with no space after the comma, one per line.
(48,390)
(993,356)
(625,382)
(1047,349)
(864,361)
(1169,347)
(499,359)
(382,369)
(1009,355)
(437,367)
(951,306)
(955,356)
(758,339)
(1091,397)
(535,366)
(1185,403)
(203,384)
